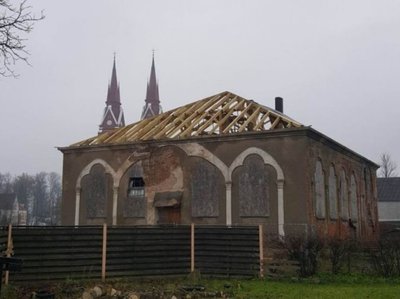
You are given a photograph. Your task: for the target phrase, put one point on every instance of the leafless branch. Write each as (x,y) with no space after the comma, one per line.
(388,166)
(15,22)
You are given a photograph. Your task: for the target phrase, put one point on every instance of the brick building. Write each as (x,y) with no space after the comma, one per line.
(221,160)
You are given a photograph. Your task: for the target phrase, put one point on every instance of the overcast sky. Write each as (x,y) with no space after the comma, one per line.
(335,63)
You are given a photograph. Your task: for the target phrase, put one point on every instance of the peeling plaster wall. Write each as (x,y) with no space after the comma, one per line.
(168,166)
(163,173)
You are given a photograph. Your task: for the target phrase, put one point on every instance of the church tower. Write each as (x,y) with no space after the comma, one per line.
(113,116)
(152,103)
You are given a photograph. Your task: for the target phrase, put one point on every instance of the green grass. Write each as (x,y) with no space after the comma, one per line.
(282,290)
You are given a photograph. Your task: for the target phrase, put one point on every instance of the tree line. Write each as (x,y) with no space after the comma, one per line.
(39,194)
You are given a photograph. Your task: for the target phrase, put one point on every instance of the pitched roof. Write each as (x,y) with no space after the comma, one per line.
(388,189)
(221,114)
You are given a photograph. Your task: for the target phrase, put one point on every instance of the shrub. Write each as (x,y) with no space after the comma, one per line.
(385,258)
(340,251)
(305,251)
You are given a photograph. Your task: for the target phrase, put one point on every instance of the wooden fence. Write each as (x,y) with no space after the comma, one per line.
(78,252)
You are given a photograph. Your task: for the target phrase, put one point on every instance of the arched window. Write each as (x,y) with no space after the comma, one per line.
(253,188)
(205,190)
(353,199)
(332,193)
(94,192)
(135,202)
(344,196)
(319,191)
(136,187)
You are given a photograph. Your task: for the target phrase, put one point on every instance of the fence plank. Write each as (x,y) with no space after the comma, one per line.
(77,252)
(227,251)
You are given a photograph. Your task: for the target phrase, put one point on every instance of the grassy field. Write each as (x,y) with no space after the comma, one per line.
(255,289)
(328,286)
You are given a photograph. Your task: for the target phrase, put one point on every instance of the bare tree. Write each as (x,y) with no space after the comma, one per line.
(40,198)
(15,21)
(388,166)
(6,183)
(54,182)
(23,186)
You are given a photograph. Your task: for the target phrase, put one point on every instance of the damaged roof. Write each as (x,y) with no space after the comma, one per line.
(221,114)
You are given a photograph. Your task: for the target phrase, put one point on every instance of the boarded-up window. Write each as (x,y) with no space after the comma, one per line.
(353,199)
(332,193)
(253,188)
(135,203)
(205,191)
(368,197)
(94,192)
(319,191)
(344,199)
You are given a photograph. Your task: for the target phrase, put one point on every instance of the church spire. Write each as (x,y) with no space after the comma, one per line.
(152,102)
(113,116)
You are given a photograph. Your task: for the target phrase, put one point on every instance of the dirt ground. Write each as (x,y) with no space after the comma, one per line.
(175,288)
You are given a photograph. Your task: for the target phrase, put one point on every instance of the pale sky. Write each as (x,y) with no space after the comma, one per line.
(335,63)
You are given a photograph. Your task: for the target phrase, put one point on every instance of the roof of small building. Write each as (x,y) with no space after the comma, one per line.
(221,114)
(7,201)
(388,189)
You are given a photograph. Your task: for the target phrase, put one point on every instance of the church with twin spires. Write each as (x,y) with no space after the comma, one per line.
(113,116)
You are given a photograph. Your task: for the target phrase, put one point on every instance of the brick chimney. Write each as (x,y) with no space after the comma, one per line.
(279,104)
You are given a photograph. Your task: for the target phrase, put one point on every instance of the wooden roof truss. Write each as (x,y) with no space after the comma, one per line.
(224,113)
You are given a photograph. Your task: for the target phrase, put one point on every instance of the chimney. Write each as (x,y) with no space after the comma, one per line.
(279,104)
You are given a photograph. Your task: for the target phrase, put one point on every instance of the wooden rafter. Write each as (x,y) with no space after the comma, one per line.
(224,113)
(250,119)
(228,114)
(262,121)
(234,122)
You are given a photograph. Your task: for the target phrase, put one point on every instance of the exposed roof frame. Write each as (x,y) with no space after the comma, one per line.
(221,114)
